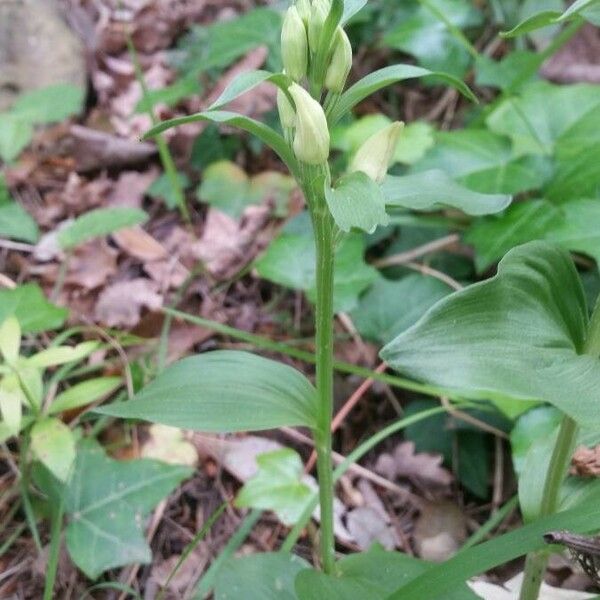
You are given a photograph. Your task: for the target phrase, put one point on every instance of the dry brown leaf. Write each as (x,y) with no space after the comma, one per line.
(190,568)
(138,243)
(130,188)
(121,304)
(439,531)
(423,467)
(170,445)
(92,264)
(586,462)
(168,273)
(367,526)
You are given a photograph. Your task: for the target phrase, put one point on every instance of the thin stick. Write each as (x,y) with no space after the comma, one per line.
(19,246)
(426,270)
(410,255)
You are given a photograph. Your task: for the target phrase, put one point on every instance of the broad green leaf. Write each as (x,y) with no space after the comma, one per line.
(11,404)
(542,113)
(84,393)
(107,502)
(264,133)
(225,186)
(505,73)
(485,162)
(53,444)
(10,339)
(264,576)
(49,104)
(435,583)
(357,202)
(290,261)
(161,189)
(518,335)
(389,76)
(432,190)
(377,317)
(59,355)
(550,17)
(15,135)
(29,305)
(435,44)
(247,81)
(98,223)
(223,391)
(15,222)
(277,486)
(493,237)
(352,7)
(370,575)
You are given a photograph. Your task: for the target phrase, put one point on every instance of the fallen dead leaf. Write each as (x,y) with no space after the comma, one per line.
(189,569)
(92,264)
(121,304)
(139,244)
(423,467)
(169,445)
(367,526)
(130,187)
(586,462)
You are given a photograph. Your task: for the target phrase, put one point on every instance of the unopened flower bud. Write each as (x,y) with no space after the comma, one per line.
(341,63)
(287,114)
(304,10)
(311,142)
(376,154)
(294,45)
(318,16)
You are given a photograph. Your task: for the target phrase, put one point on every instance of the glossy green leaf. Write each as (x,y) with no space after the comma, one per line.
(550,17)
(15,222)
(98,223)
(53,444)
(60,355)
(84,393)
(518,335)
(485,162)
(49,104)
(352,7)
(505,73)
(371,575)
(107,502)
(432,190)
(247,81)
(11,405)
(357,202)
(34,312)
(10,339)
(377,317)
(277,486)
(15,135)
(389,76)
(264,133)
(263,576)
(223,391)
(435,583)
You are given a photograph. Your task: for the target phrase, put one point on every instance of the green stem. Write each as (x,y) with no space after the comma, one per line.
(324,240)
(535,564)
(54,552)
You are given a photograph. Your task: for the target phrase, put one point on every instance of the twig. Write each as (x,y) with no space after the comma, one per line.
(10,245)
(410,255)
(498,474)
(7,282)
(431,272)
(348,325)
(467,418)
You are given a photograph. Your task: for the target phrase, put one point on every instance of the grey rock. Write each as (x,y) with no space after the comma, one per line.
(37,49)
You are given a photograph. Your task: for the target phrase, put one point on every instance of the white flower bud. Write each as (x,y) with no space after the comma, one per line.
(376,154)
(311,142)
(294,45)
(341,63)
(304,10)
(318,16)
(287,114)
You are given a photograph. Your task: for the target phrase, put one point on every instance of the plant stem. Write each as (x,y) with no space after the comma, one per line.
(535,564)
(323,226)
(54,552)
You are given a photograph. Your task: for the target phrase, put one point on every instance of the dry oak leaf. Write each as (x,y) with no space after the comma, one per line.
(121,304)
(586,462)
(423,467)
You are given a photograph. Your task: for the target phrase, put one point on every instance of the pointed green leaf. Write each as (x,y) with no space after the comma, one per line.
(53,444)
(518,335)
(84,393)
(15,135)
(98,223)
(223,391)
(277,486)
(49,104)
(11,404)
(60,355)
(264,576)
(356,202)
(107,502)
(10,339)
(432,190)
(15,222)
(264,133)
(389,76)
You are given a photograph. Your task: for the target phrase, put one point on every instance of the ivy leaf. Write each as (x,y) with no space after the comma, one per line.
(223,391)
(53,444)
(107,502)
(277,486)
(518,335)
(357,202)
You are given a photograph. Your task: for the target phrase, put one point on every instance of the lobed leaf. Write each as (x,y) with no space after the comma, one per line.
(223,391)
